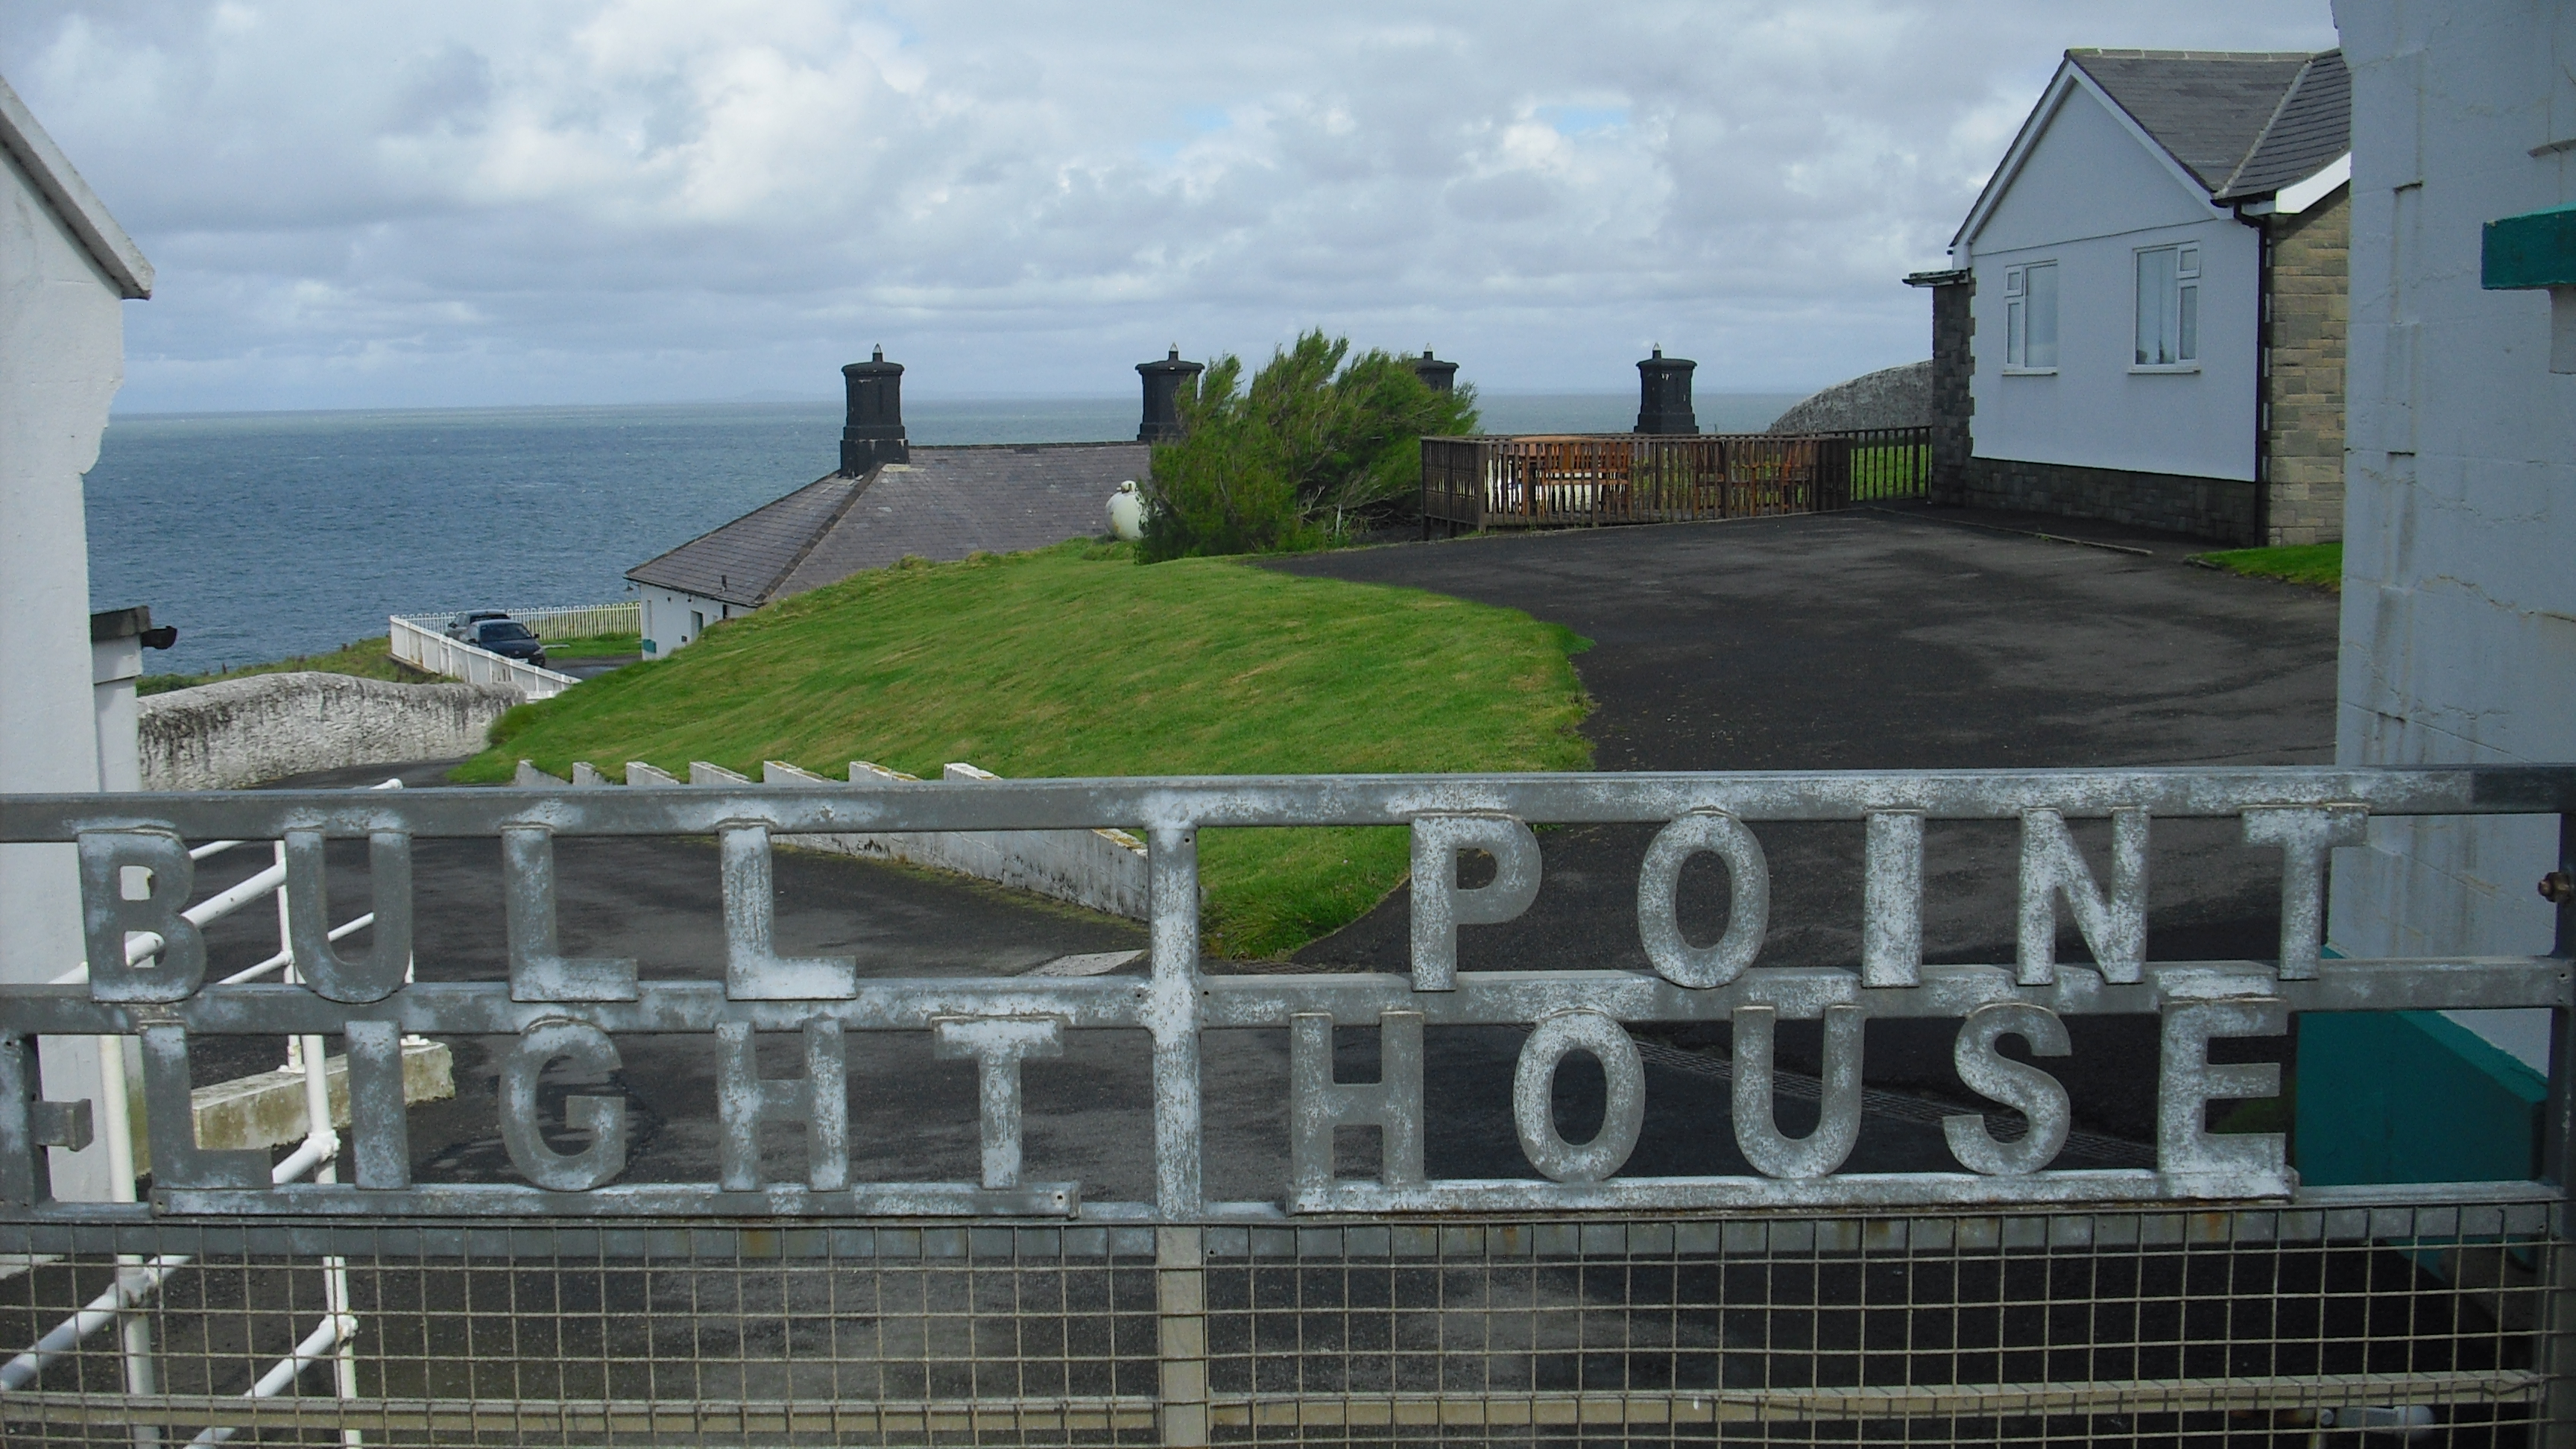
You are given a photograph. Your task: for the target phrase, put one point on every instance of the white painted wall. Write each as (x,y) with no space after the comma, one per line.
(62,357)
(114,666)
(2088,195)
(667,623)
(2459,601)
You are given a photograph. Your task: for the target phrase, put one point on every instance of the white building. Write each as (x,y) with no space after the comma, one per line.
(2459,598)
(2121,263)
(66,269)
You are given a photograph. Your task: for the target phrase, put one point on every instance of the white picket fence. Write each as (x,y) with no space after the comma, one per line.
(580,621)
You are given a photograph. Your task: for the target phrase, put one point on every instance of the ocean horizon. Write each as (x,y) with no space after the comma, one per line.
(263,535)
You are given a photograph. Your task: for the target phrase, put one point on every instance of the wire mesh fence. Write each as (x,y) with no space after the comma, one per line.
(2239,1326)
(1793,1297)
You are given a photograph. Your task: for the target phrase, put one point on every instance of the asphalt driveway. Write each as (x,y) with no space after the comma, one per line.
(1880,639)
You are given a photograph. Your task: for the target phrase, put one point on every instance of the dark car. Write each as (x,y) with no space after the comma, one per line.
(510,639)
(461,626)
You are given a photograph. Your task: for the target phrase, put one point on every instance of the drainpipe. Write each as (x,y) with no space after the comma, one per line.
(2262,374)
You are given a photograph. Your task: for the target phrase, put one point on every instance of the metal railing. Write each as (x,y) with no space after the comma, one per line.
(2205,1296)
(1587,480)
(423,644)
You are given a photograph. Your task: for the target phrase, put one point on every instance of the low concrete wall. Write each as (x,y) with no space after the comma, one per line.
(238,732)
(1101,869)
(1892,397)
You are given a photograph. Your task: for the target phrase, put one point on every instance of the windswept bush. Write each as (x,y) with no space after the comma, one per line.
(1315,450)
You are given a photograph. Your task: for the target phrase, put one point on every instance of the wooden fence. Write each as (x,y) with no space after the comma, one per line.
(1586,480)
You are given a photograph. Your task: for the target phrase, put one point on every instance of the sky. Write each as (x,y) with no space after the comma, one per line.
(632,201)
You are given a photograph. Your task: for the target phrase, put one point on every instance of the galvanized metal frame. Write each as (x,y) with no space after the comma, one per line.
(560,1007)
(2227,1194)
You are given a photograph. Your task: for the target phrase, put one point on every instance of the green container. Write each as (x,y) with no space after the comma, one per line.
(2535,249)
(2412,1096)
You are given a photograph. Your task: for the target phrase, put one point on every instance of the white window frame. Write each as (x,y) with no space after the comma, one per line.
(2178,310)
(2018,296)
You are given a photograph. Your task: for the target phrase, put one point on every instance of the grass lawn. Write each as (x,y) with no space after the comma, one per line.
(1895,471)
(367,659)
(2317,564)
(1072,661)
(594,646)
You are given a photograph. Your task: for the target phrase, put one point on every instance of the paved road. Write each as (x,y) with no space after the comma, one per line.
(1875,639)
(1857,640)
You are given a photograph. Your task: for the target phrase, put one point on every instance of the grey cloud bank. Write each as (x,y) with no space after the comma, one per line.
(645,200)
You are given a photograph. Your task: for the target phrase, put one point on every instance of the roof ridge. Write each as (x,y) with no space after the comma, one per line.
(2156,133)
(970,447)
(780,501)
(769,590)
(2273,57)
(2289,93)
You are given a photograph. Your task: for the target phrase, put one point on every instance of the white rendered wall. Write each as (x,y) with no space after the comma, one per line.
(2087,197)
(115,665)
(665,614)
(2459,599)
(62,356)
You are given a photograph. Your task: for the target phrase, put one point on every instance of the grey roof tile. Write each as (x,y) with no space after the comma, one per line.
(951,502)
(743,561)
(946,504)
(2208,109)
(2311,129)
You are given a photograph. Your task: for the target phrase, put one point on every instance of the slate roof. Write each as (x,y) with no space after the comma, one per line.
(2312,128)
(742,562)
(945,504)
(2242,123)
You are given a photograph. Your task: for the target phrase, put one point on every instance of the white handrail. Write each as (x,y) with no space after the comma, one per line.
(334,1333)
(133,1284)
(317,1155)
(424,648)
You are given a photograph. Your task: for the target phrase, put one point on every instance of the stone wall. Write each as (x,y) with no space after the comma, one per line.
(2303,388)
(1954,403)
(2220,509)
(1892,397)
(238,732)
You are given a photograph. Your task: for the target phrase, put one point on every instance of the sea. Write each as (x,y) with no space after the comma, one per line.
(267,535)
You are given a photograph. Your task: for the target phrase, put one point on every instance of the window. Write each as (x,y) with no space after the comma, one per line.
(2169,307)
(2030,318)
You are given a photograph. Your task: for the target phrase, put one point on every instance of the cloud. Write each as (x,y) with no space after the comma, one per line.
(648,199)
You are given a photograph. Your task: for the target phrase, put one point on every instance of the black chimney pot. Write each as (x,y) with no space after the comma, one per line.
(1163,396)
(873,432)
(1664,395)
(1436,375)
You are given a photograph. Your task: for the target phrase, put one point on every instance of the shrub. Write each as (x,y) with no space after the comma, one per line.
(1313,451)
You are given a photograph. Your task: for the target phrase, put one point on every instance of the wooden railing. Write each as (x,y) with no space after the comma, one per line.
(1586,480)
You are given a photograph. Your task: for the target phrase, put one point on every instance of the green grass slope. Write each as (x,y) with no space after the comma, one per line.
(2318,565)
(1071,661)
(366,658)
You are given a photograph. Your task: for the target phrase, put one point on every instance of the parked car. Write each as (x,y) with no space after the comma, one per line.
(461,626)
(510,639)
